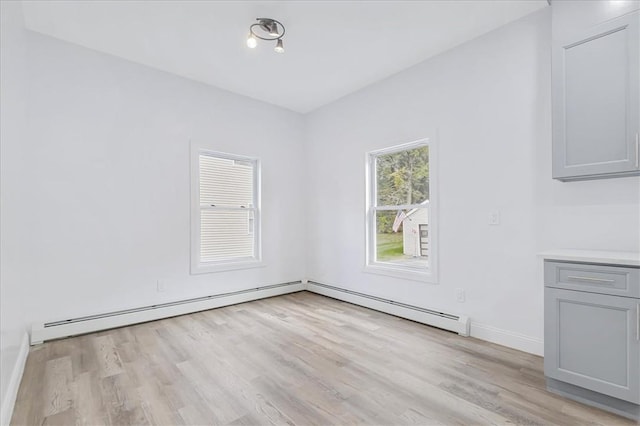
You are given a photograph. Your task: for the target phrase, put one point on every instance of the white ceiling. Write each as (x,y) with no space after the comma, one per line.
(332,48)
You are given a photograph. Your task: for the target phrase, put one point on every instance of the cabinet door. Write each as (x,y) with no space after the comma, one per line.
(596,94)
(591,341)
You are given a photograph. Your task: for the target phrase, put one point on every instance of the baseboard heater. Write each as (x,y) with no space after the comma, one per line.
(456,323)
(88,324)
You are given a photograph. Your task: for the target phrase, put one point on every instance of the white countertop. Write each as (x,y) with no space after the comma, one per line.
(624,258)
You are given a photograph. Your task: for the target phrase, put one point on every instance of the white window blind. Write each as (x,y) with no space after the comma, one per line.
(228,208)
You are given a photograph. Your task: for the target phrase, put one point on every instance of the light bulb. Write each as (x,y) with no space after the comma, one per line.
(279,47)
(251,41)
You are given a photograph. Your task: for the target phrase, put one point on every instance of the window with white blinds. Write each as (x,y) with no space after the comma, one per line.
(227,229)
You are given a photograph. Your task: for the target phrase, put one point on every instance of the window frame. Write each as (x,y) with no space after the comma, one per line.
(426,275)
(198,267)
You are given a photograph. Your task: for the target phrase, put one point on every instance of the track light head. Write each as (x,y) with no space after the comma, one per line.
(279,46)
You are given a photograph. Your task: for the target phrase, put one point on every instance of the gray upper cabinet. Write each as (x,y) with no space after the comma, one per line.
(596,100)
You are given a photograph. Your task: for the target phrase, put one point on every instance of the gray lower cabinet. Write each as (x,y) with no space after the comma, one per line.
(592,342)
(596,101)
(592,334)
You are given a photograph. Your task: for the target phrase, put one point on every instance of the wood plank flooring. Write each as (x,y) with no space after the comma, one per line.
(300,359)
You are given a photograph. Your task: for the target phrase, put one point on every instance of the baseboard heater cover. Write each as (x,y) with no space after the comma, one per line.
(456,323)
(71,327)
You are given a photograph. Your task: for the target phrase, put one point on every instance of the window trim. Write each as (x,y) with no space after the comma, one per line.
(198,267)
(430,274)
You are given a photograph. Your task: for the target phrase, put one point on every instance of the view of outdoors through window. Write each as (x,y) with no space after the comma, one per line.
(402,207)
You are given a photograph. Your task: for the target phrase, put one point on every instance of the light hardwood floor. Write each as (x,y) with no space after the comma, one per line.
(297,359)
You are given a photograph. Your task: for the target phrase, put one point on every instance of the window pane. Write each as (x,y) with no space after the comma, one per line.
(226,234)
(225,182)
(403,177)
(408,245)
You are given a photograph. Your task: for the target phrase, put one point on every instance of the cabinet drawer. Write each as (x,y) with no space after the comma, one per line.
(603,279)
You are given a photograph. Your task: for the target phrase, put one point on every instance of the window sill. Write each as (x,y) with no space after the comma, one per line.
(206,268)
(426,276)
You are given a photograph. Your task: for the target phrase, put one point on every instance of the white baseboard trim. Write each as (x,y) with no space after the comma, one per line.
(480,331)
(47,331)
(9,401)
(456,323)
(507,338)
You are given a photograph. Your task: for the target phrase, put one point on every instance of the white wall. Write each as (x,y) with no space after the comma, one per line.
(488,104)
(13,88)
(101,200)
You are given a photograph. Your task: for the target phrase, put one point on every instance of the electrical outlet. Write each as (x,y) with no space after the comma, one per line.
(161,286)
(494,218)
(460,295)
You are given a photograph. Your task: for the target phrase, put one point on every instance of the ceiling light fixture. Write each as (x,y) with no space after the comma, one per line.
(266,29)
